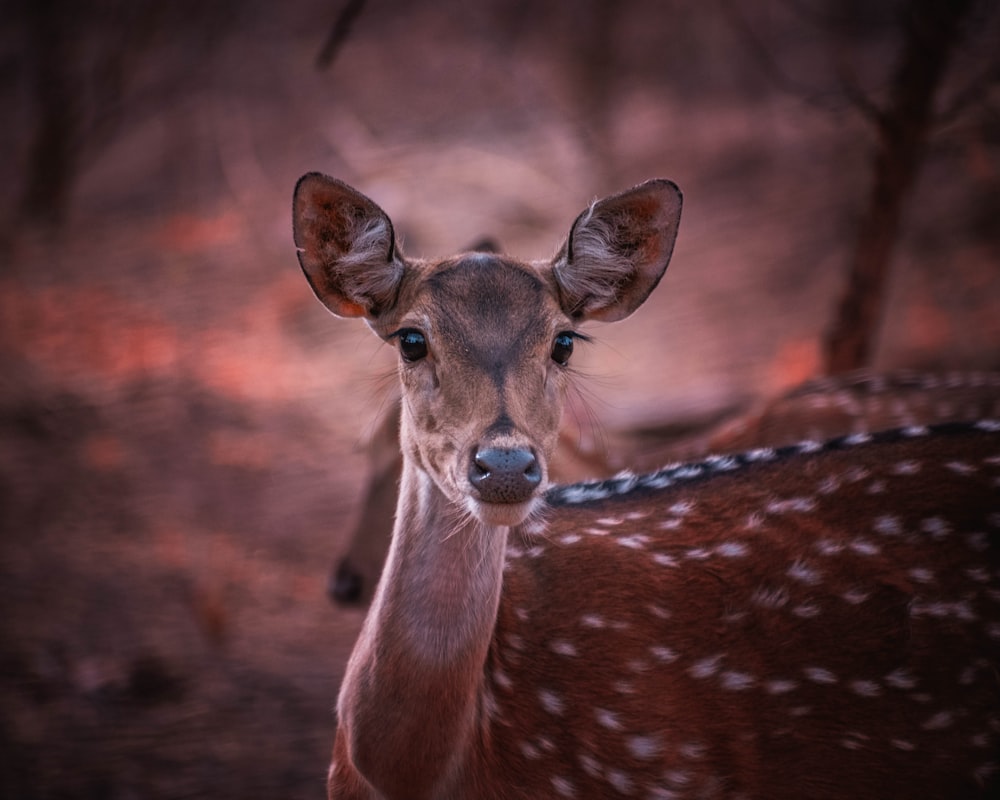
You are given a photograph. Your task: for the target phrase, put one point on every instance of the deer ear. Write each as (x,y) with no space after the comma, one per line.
(346,247)
(617,251)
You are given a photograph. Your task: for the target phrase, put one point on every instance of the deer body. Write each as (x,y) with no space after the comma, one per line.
(812,622)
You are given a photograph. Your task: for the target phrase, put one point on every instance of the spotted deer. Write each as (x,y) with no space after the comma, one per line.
(855,402)
(813,621)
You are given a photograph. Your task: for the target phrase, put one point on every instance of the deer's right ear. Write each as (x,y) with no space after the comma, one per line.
(346,247)
(617,251)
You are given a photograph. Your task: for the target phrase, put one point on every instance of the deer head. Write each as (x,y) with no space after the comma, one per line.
(484,340)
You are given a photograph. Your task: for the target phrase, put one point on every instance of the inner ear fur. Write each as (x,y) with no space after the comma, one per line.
(346,247)
(617,251)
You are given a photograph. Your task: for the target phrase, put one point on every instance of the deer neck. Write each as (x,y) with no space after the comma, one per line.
(443,574)
(426,637)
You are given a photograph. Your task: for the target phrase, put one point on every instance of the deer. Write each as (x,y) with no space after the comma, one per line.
(820,620)
(860,401)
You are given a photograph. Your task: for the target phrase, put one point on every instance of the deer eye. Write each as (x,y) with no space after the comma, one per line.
(562,348)
(412,344)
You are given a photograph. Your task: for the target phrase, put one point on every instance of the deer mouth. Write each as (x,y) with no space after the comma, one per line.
(504,515)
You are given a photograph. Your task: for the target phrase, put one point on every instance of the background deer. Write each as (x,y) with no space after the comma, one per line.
(817,621)
(821,409)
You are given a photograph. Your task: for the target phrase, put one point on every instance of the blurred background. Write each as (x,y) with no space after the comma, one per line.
(182,425)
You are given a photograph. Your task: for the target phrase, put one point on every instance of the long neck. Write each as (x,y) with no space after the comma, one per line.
(409,699)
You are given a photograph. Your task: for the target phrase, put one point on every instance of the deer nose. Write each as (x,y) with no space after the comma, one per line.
(505,475)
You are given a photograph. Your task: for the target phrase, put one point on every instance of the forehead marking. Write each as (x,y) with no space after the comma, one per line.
(489,310)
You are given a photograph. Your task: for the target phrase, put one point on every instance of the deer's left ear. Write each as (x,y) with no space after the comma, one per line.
(617,251)
(346,247)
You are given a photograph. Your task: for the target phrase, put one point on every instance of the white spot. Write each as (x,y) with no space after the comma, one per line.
(677,777)
(536,552)
(772,597)
(570,538)
(698,554)
(636,541)
(856,596)
(828,485)
(732,549)
(562,647)
(590,765)
(905,468)
(638,665)
(706,667)
(780,686)
(669,524)
(663,654)
(857,438)
(514,641)
(802,505)
(692,750)
(936,527)
(682,508)
(978,574)
(761,454)
(737,681)
(940,721)
(807,610)
(530,751)
(801,571)
(864,548)
(634,515)
(551,702)
(623,687)
(888,525)
(979,542)
(665,560)
(903,744)
(610,521)
(820,675)
(876,487)
(915,430)
(851,744)
(608,719)
(563,786)
(855,474)
(659,611)
(644,747)
(502,679)
(960,467)
(921,575)
(799,711)
(754,521)
(593,621)
(809,446)
(865,688)
(618,779)
(596,531)
(988,425)
(900,679)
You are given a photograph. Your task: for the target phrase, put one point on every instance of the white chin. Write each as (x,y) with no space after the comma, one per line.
(501,514)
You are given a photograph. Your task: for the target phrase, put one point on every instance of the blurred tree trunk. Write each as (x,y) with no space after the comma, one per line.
(52,160)
(931,31)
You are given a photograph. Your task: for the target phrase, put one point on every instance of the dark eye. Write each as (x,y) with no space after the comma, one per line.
(412,345)
(562,348)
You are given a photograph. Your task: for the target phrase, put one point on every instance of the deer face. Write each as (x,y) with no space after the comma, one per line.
(484,341)
(484,351)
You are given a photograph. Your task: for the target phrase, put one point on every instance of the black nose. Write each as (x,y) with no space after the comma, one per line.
(345,585)
(505,475)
